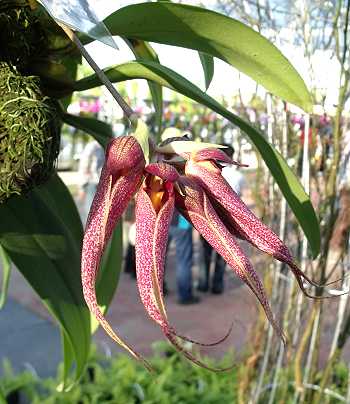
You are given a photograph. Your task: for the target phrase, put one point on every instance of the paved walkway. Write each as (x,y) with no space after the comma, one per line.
(28,340)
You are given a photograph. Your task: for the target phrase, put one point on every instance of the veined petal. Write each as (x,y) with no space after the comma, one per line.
(241,218)
(163,170)
(151,240)
(123,153)
(152,226)
(211,154)
(124,164)
(116,187)
(195,205)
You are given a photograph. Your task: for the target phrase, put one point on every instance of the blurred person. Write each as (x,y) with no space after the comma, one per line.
(129,266)
(130,257)
(90,166)
(181,232)
(235,179)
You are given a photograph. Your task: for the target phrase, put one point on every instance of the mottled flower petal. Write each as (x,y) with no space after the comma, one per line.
(240,217)
(198,209)
(212,154)
(163,170)
(152,226)
(151,240)
(120,178)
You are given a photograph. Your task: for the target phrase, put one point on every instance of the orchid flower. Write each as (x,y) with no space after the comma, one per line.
(154,210)
(204,168)
(120,178)
(187,176)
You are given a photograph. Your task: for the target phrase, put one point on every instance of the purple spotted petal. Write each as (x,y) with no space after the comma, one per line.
(117,185)
(195,205)
(151,240)
(240,217)
(214,155)
(163,170)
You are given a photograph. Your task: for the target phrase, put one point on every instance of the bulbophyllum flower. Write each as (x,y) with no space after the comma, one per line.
(204,168)
(120,178)
(199,192)
(196,207)
(154,210)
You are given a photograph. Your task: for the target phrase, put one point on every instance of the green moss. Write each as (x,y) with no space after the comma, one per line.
(29,133)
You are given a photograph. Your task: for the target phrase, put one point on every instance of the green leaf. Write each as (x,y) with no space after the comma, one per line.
(101,131)
(54,246)
(68,355)
(142,135)
(108,276)
(217,35)
(208,68)
(144,51)
(50,209)
(288,182)
(2,397)
(6,273)
(207,62)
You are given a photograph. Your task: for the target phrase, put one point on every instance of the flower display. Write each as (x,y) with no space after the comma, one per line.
(186,176)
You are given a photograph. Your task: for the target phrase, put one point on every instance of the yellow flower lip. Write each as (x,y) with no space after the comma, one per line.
(156,191)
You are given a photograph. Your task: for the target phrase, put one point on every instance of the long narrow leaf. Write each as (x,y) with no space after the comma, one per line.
(288,182)
(2,397)
(207,62)
(6,274)
(54,246)
(101,131)
(144,51)
(68,356)
(217,35)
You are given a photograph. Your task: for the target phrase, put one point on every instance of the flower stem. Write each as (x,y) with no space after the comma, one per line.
(115,94)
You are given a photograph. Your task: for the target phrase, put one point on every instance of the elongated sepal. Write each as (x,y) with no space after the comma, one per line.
(119,180)
(216,155)
(152,226)
(163,170)
(240,218)
(151,241)
(212,154)
(197,207)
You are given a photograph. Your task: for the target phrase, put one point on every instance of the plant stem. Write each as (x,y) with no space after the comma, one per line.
(120,100)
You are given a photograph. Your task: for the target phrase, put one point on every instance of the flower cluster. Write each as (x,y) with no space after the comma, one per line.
(191,182)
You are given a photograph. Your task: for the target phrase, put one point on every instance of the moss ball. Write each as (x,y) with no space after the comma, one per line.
(29,133)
